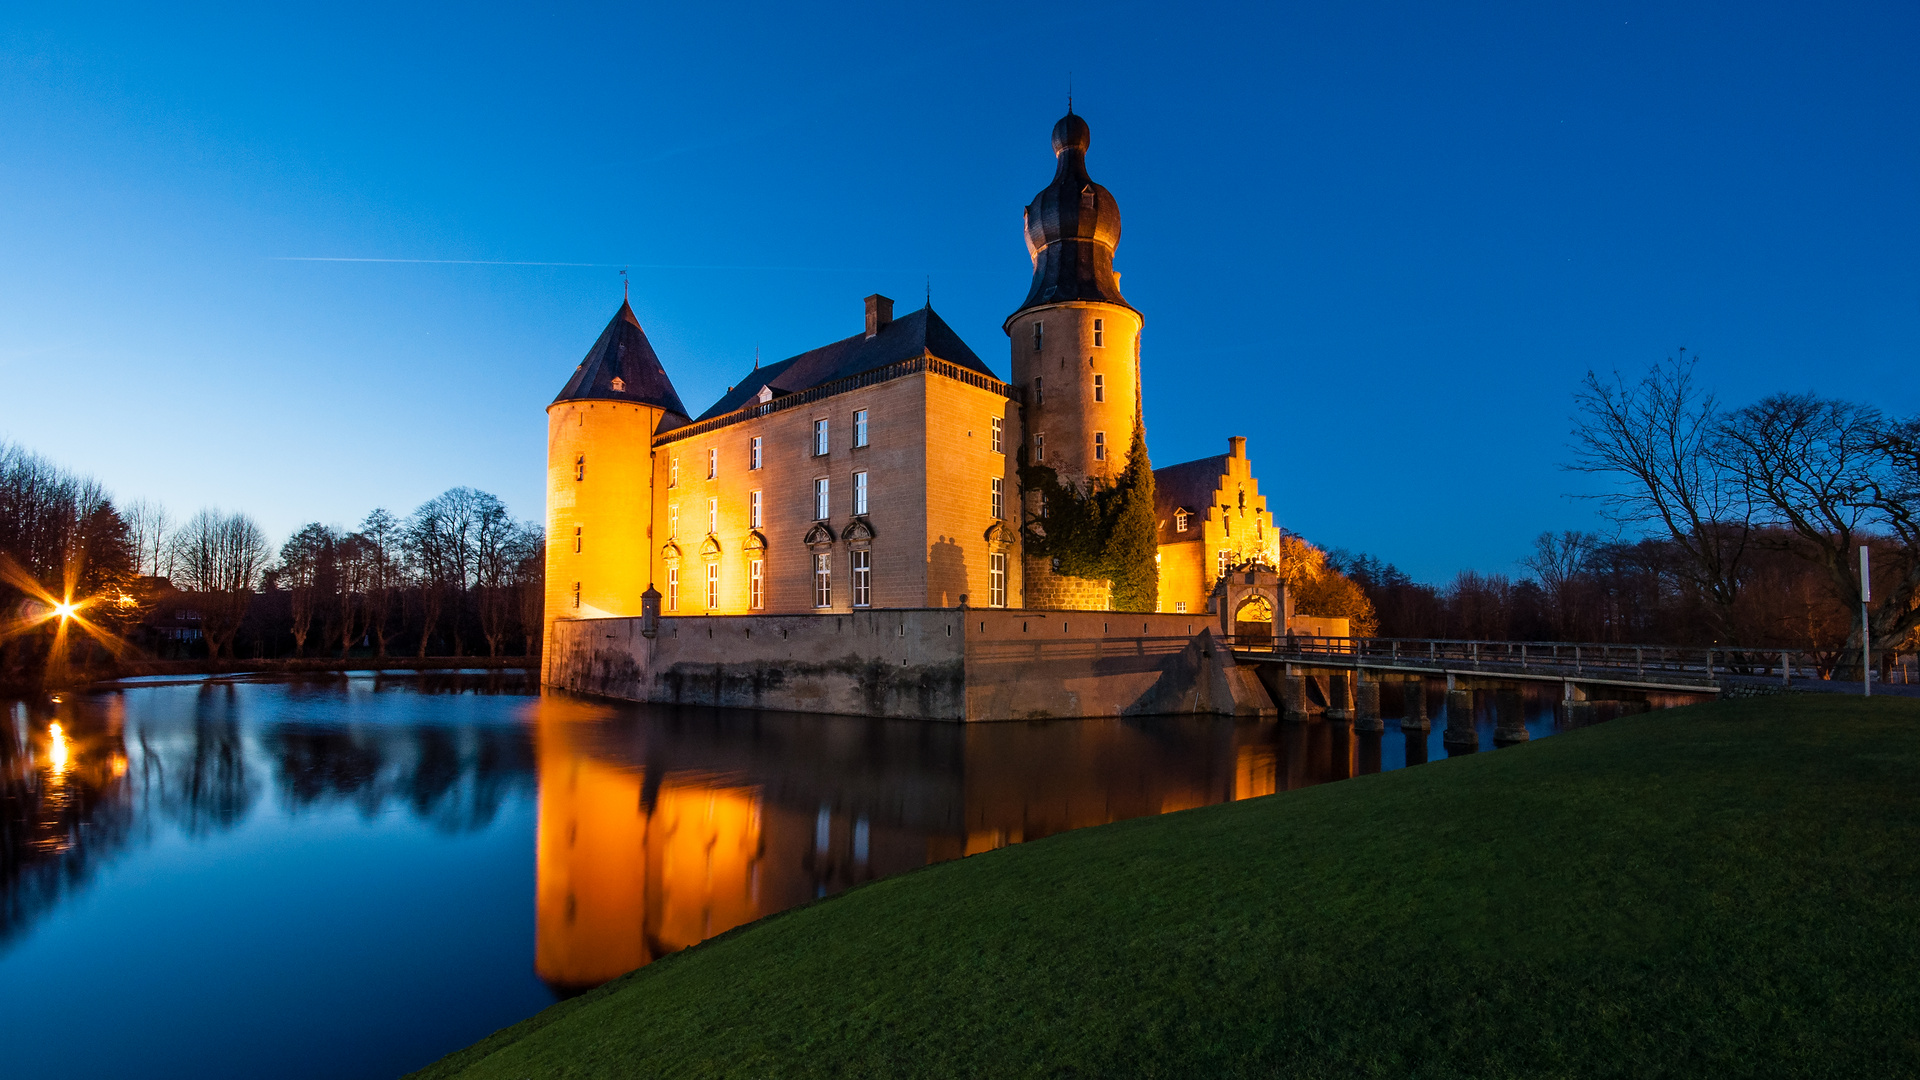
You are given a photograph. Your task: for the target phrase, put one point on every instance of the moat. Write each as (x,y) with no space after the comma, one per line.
(349,876)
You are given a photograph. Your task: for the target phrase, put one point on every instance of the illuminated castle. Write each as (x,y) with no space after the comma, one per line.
(880,471)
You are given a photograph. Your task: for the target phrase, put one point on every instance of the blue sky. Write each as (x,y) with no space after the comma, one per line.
(1384,242)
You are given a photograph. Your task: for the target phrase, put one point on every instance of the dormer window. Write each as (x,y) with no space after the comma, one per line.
(619,385)
(765,395)
(1179,521)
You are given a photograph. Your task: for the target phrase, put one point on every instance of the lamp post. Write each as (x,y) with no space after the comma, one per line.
(1866,629)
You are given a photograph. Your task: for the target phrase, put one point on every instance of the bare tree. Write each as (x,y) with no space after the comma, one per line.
(384,573)
(530,585)
(150,523)
(1655,438)
(353,559)
(1560,562)
(303,561)
(221,556)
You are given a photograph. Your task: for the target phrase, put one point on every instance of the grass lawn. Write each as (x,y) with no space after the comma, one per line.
(1724,890)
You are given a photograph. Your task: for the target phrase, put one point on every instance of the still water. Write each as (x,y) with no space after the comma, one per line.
(349,876)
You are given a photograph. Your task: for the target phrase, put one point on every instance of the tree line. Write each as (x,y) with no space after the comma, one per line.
(457,576)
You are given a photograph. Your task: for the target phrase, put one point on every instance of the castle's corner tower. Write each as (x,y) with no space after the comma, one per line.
(600,433)
(1076,345)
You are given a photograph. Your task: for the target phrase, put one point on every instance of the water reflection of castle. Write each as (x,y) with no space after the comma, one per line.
(659,830)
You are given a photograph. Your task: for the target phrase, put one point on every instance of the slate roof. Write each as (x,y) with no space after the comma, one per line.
(623,352)
(904,338)
(1073,225)
(1190,485)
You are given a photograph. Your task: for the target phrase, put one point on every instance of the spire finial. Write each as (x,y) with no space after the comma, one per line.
(623,284)
(929,290)
(756,356)
(1069,93)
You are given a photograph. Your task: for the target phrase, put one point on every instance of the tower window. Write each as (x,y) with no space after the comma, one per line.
(1099,446)
(1039,446)
(576,594)
(1099,333)
(997,579)
(859,493)
(997,427)
(999,498)
(713,584)
(673,588)
(1039,334)
(753,510)
(863,579)
(1039,391)
(820,443)
(823,580)
(713,515)
(756,585)
(1099,388)
(859,427)
(713,462)
(821,505)
(1179,521)
(753,453)
(576,539)
(580,467)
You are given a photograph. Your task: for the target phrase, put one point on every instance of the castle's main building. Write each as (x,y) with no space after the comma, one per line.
(880,471)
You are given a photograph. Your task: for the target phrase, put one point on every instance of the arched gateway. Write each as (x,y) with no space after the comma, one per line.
(1251,602)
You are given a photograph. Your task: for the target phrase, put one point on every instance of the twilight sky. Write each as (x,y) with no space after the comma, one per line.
(1383,241)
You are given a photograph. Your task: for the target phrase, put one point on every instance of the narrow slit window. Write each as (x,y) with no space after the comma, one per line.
(576,539)
(580,467)
(1099,388)
(1099,333)
(1039,335)
(1039,446)
(576,594)
(1039,392)
(1099,446)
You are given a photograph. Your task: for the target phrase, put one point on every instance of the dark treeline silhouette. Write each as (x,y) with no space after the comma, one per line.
(456,577)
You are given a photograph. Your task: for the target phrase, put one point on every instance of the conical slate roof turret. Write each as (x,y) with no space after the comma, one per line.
(1073,225)
(622,366)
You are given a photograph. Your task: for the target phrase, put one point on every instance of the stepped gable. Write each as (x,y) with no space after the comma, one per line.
(624,353)
(919,334)
(1073,227)
(1190,485)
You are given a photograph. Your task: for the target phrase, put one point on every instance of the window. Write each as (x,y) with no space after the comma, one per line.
(673,471)
(1226,560)
(1179,521)
(1099,333)
(997,430)
(1039,334)
(1039,446)
(1099,446)
(713,584)
(713,515)
(820,503)
(713,462)
(576,539)
(673,588)
(999,498)
(1039,392)
(753,453)
(753,510)
(673,521)
(580,467)
(1179,607)
(823,580)
(997,579)
(863,579)
(859,427)
(756,585)
(859,493)
(820,443)
(1099,388)
(576,594)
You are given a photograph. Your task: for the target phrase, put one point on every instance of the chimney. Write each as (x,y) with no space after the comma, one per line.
(1237,446)
(879,313)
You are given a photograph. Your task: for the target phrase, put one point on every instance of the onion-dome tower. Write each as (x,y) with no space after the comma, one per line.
(1076,341)
(600,433)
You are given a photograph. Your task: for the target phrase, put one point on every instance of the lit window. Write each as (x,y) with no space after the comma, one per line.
(999,446)
(673,521)
(713,515)
(1179,607)
(862,579)
(1099,332)
(1179,521)
(756,585)
(859,493)
(1226,560)
(999,498)
(713,584)
(673,588)
(1099,446)
(673,471)
(997,579)
(823,580)
(713,462)
(820,502)
(580,467)
(820,443)
(753,453)
(1039,334)
(860,427)
(1039,446)
(1039,392)
(753,510)
(576,539)
(576,594)
(1099,388)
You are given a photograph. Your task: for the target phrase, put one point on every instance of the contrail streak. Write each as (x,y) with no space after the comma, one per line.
(627,266)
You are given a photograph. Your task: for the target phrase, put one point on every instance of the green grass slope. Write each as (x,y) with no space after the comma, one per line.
(1724,890)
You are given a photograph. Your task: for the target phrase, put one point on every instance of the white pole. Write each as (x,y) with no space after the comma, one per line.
(1866,647)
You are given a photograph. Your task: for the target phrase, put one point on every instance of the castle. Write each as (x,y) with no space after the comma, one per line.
(881,471)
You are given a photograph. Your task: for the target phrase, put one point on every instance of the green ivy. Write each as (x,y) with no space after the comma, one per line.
(1103,529)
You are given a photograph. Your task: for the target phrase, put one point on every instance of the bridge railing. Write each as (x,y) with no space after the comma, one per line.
(1654,663)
